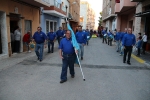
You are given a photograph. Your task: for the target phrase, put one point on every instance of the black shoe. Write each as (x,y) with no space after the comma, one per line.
(48,52)
(124,61)
(62,81)
(128,63)
(40,60)
(81,58)
(72,76)
(52,52)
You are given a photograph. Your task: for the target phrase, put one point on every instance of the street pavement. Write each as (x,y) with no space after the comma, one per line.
(22,77)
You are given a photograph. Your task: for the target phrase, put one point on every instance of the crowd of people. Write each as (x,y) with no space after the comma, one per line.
(125,42)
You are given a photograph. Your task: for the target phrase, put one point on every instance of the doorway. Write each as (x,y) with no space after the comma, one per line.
(131,25)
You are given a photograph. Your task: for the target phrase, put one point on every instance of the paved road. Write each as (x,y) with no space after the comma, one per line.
(107,78)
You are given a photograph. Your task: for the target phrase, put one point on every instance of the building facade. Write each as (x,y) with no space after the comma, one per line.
(108,15)
(87,15)
(22,13)
(142,18)
(51,17)
(74,14)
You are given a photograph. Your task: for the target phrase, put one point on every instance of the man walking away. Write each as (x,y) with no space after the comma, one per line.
(81,39)
(139,45)
(128,42)
(117,39)
(12,41)
(144,39)
(39,37)
(104,33)
(60,34)
(51,38)
(67,54)
(17,35)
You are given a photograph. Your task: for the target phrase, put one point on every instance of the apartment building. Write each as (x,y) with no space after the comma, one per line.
(108,14)
(52,17)
(142,18)
(22,13)
(87,15)
(74,14)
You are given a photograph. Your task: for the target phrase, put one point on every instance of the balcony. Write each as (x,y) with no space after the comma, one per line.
(136,0)
(126,5)
(38,3)
(117,8)
(56,10)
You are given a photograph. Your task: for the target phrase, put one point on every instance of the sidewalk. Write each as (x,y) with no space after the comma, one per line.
(17,58)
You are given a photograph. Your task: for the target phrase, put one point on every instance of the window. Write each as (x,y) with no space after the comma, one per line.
(27,26)
(51,25)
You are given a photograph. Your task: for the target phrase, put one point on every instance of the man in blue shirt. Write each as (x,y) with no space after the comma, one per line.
(39,37)
(117,39)
(110,38)
(104,33)
(67,54)
(88,35)
(128,42)
(81,39)
(60,34)
(51,38)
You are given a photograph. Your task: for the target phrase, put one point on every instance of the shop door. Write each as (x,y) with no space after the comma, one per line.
(0,41)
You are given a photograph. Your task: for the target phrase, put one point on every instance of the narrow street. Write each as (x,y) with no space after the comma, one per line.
(107,77)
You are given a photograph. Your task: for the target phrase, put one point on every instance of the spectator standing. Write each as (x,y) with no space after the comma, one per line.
(139,45)
(17,36)
(26,40)
(144,39)
(117,39)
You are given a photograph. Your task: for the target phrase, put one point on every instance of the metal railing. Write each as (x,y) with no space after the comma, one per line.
(56,4)
(64,8)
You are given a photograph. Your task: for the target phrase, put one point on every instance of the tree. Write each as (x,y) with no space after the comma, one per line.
(100,19)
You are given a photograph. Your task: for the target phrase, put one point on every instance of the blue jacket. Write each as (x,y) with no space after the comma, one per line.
(118,35)
(139,44)
(39,37)
(122,35)
(110,35)
(104,32)
(128,40)
(60,33)
(81,37)
(51,36)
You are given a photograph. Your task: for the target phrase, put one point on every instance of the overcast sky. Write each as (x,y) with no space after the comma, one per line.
(97,7)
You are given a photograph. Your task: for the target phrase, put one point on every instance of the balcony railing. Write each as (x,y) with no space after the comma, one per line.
(56,4)
(64,8)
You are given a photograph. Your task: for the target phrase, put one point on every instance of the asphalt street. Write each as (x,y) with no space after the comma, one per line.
(107,77)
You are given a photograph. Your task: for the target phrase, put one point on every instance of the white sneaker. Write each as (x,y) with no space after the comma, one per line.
(29,51)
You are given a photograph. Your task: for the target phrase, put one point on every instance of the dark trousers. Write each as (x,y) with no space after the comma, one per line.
(68,60)
(110,42)
(59,39)
(127,50)
(17,46)
(139,51)
(50,44)
(104,39)
(144,47)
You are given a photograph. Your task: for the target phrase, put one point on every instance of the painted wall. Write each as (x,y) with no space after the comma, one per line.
(45,17)
(83,13)
(26,12)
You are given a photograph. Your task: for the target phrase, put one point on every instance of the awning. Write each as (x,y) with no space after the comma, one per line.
(143,14)
(109,17)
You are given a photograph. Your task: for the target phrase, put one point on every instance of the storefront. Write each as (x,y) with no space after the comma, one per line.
(15,13)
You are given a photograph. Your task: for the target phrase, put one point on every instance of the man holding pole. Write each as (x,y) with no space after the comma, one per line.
(67,54)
